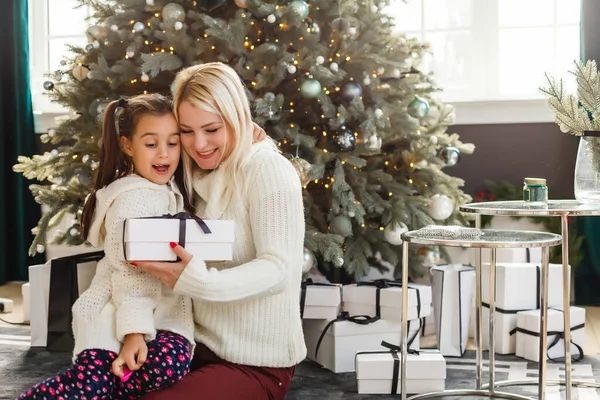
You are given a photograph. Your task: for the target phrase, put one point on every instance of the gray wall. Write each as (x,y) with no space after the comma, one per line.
(513,151)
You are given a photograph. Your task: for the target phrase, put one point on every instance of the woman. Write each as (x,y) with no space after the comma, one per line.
(246,311)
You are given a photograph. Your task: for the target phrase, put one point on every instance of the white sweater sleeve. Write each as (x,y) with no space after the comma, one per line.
(135,292)
(277,219)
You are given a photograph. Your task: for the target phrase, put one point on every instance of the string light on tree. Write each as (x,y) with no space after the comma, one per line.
(440,207)
(393,232)
(418,107)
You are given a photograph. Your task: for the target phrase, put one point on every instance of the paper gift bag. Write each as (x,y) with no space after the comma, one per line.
(453,290)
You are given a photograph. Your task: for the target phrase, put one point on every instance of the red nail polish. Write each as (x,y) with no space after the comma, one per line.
(134,264)
(173,245)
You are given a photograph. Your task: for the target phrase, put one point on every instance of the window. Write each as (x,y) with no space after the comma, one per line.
(52,25)
(492,54)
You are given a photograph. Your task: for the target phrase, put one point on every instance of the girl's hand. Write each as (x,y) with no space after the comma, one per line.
(167,273)
(133,354)
(259,134)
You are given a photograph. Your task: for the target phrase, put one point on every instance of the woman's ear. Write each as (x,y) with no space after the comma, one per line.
(126,146)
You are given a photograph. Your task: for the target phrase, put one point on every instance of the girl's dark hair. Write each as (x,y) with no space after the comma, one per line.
(120,120)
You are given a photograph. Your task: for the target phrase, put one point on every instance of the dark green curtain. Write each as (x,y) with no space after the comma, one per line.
(18,211)
(587,276)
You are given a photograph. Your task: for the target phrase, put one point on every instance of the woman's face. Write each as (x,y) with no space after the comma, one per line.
(204,136)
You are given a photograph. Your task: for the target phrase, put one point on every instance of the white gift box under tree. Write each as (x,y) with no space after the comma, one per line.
(384,299)
(528,334)
(320,300)
(453,290)
(517,289)
(149,238)
(334,343)
(378,372)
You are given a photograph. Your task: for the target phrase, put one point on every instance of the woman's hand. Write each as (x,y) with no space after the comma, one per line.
(259,134)
(133,354)
(167,273)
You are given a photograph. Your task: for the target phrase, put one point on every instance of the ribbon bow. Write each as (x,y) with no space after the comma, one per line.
(386,284)
(303,286)
(344,316)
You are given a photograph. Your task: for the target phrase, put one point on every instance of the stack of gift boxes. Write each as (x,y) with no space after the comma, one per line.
(358,328)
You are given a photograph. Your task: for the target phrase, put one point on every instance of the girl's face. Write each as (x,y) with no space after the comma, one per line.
(204,136)
(154,147)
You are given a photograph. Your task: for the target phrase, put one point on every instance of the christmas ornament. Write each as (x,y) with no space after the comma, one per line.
(314,28)
(396,73)
(351,91)
(85,158)
(351,214)
(271,19)
(74,232)
(299,8)
(89,47)
(374,143)
(40,248)
(308,260)
(138,27)
(94,165)
(130,54)
(48,85)
(173,12)
(345,140)
(241,3)
(450,155)
(178,26)
(209,5)
(310,88)
(270,96)
(367,80)
(145,77)
(85,177)
(418,107)
(393,232)
(380,71)
(96,44)
(433,139)
(352,31)
(334,67)
(338,261)
(96,31)
(114,28)
(340,25)
(342,226)
(440,207)
(51,132)
(303,168)
(80,72)
(378,112)
(54,152)
(292,69)
(320,60)
(150,2)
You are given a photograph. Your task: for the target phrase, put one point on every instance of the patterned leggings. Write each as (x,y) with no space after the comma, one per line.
(90,377)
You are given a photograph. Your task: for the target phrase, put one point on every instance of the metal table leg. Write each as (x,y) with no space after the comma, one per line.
(478,313)
(492,323)
(566,301)
(404,344)
(543,325)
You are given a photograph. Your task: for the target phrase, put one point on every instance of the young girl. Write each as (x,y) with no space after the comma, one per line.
(133,335)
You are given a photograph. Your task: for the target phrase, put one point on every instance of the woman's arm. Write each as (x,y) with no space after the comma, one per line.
(135,292)
(277,221)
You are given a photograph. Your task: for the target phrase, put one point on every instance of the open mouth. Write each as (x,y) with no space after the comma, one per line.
(206,154)
(161,168)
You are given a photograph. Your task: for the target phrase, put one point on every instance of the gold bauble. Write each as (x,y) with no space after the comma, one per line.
(80,72)
(303,168)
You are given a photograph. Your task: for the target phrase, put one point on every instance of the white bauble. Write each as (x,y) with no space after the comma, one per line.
(145,77)
(178,26)
(393,232)
(114,28)
(440,207)
(308,261)
(320,60)
(138,26)
(271,19)
(334,66)
(378,112)
(433,139)
(292,69)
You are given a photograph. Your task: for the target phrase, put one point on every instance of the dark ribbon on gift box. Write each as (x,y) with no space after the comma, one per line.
(386,284)
(183,217)
(393,350)
(63,293)
(304,285)
(591,133)
(537,296)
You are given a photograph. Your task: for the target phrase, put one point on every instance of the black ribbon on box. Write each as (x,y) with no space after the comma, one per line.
(303,286)
(537,296)
(386,284)
(183,217)
(63,293)
(393,350)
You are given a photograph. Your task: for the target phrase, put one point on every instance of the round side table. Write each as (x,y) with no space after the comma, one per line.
(554,208)
(490,239)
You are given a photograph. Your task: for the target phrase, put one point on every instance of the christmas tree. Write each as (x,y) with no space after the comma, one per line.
(345,98)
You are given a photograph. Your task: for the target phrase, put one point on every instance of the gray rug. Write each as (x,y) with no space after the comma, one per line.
(21,367)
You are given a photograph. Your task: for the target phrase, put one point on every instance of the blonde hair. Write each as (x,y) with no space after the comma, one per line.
(217,88)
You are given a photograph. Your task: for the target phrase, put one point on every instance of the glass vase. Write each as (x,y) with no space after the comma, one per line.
(587,168)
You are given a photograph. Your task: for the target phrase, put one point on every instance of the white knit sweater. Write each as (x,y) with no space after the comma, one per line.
(247,310)
(122,299)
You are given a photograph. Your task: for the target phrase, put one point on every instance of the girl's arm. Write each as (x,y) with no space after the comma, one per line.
(135,292)
(277,220)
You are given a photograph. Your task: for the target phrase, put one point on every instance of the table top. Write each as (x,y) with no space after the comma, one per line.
(489,238)
(524,208)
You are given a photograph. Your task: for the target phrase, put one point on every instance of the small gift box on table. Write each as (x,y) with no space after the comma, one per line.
(148,239)
(378,372)
(517,289)
(383,298)
(320,300)
(333,344)
(453,290)
(528,334)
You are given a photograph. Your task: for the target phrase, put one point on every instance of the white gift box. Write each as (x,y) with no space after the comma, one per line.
(453,290)
(528,334)
(343,339)
(39,293)
(26,292)
(428,324)
(149,238)
(361,299)
(320,300)
(375,370)
(516,255)
(517,289)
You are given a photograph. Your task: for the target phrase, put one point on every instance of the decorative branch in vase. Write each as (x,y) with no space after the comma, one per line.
(579,115)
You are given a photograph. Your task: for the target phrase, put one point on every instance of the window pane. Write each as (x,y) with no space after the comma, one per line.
(525,12)
(567,50)
(568,11)
(65,19)
(448,14)
(452,59)
(57,49)
(407,15)
(524,56)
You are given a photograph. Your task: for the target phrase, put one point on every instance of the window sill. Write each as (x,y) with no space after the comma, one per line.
(502,112)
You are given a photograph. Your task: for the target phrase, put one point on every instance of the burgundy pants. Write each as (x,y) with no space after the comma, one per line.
(214,378)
